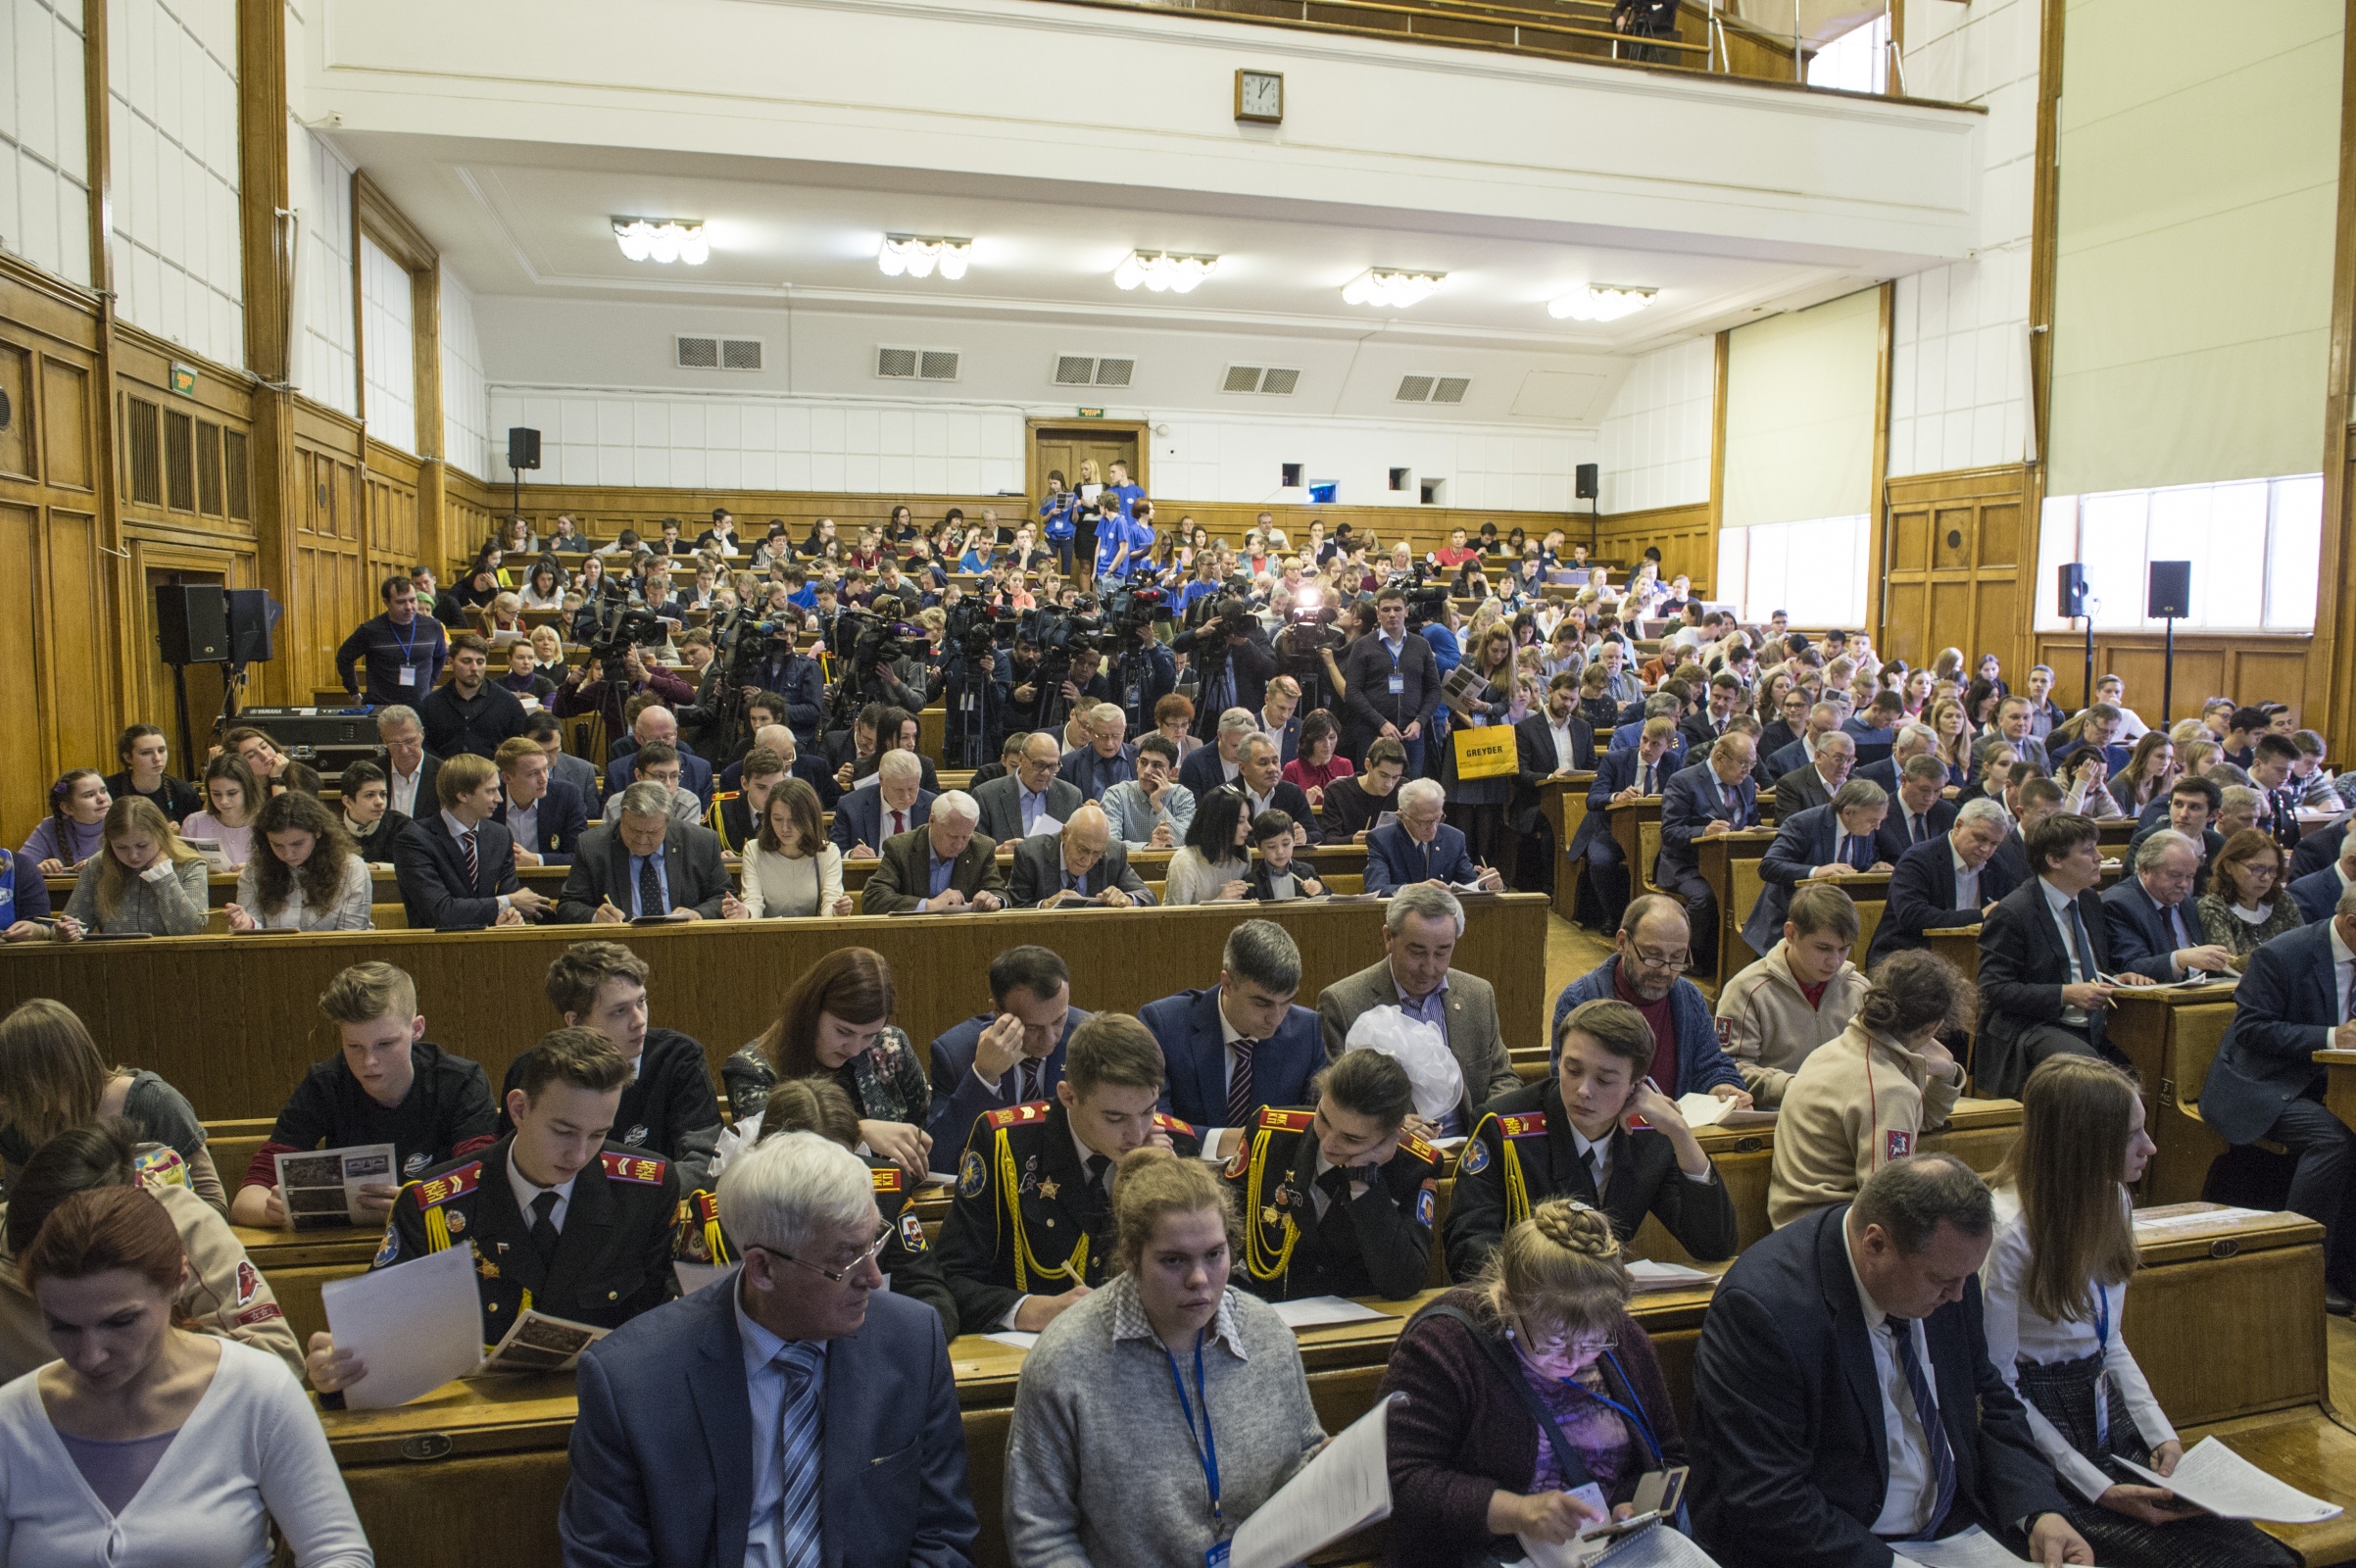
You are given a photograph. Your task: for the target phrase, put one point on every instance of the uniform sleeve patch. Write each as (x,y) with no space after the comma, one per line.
(644,1169)
(268,1312)
(1236,1163)
(912,1231)
(159,1165)
(1017,1115)
(390,1250)
(1284,1122)
(1901,1144)
(449,1185)
(1424,1202)
(971,1173)
(249,1281)
(1475,1158)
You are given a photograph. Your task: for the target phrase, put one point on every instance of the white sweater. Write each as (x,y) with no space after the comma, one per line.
(252,1447)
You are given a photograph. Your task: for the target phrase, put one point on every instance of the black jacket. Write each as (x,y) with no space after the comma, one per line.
(1377,1244)
(431,869)
(1366,669)
(667,1109)
(2022,970)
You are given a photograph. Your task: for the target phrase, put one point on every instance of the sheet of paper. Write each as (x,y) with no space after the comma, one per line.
(323,1188)
(1966,1548)
(2201,1219)
(1651,1276)
(2214,1477)
(1014,1336)
(1658,1547)
(415,1326)
(1315,1311)
(1344,1489)
(1704,1110)
(537,1342)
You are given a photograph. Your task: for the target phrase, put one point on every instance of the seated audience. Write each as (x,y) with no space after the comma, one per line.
(68,835)
(791,870)
(1630,774)
(2044,951)
(2318,891)
(1524,1386)
(1079,865)
(1208,767)
(409,768)
(1107,759)
(1274,878)
(1231,1050)
(2053,1295)
(1092,1416)
(1712,797)
(456,868)
(578,771)
(1031,800)
(2247,906)
(1877,1298)
(939,867)
(1211,864)
(644,864)
(889,804)
(1840,838)
(144,879)
(1260,778)
(233,798)
(836,1021)
(1421,848)
(469,713)
(1842,1119)
(145,754)
(52,1077)
(1595,1131)
(1011,1055)
(24,907)
(1150,810)
(1814,779)
(656,763)
(1355,805)
(1948,882)
(1803,993)
(2153,926)
(369,820)
(1651,952)
(543,814)
(2191,808)
(1917,809)
(1420,931)
(307,875)
(1317,764)
(144,1444)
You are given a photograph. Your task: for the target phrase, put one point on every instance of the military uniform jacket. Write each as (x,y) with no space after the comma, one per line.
(1025,1220)
(1378,1244)
(1522,1153)
(907,1260)
(666,1109)
(613,1258)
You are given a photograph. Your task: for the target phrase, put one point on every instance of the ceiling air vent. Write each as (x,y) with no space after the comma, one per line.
(740,354)
(1279,383)
(1115,373)
(1269,382)
(1432,389)
(1451,388)
(917,364)
(1086,369)
(699,353)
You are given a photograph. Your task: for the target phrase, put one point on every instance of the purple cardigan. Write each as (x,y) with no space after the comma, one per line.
(1463,1433)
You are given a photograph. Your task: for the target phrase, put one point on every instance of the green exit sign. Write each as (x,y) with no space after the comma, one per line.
(183,380)
(1092,414)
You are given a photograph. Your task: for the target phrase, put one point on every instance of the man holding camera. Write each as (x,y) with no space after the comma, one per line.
(1394,682)
(977,680)
(1232,659)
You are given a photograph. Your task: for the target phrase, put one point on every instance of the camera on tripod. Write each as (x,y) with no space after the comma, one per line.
(1131,609)
(876,641)
(976,627)
(609,626)
(1427,601)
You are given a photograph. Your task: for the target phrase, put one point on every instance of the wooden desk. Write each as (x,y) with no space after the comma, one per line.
(2169,1038)
(1635,828)
(298,1262)
(1563,803)
(1730,864)
(2339,1088)
(232,1022)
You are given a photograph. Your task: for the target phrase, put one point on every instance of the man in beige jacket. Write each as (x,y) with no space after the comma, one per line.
(1802,994)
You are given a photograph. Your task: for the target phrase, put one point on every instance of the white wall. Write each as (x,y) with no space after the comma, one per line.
(388,347)
(465,406)
(1656,438)
(325,350)
(172,73)
(44,138)
(1958,395)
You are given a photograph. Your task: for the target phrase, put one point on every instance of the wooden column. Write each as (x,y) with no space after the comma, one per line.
(122,587)
(1878,529)
(266,238)
(375,217)
(2333,710)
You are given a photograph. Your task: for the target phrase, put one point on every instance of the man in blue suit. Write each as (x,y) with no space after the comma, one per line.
(1712,797)
(1828,840)
(2149,914)
(457,867)
(1011,1055)
(892,803)
(2318,891)
(1914,740)
(1623,775)
(1951,880)
(545,816)
(2298,997)
(1240,1045)
(1918,811)
(861,1460)
(1661,704)
(1420,847)
(659,725)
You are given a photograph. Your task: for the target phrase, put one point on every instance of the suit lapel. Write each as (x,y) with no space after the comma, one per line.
(846,1446)
(725,1412)
(1209,1052)
(1852,1337)
(674,866)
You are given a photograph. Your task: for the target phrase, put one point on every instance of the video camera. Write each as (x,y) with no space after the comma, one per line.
(609,626)
(1130,610)
(874,641)
(976,627)
(1427,601)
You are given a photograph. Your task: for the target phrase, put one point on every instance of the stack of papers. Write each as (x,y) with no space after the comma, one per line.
(1337,1494)
(1657,1547)
(1315,1311)
(2214,1477)
(1708,1110)
(1967,1548)
(415,1326)
(1651,1276)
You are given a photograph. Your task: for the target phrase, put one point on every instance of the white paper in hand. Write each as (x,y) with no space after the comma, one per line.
(1344,1489)
(1966,1548)
(2214,1477)
(415,1326)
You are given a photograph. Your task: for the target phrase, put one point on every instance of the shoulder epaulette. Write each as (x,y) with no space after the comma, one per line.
(703,1206)
(725,795)
(1529,1124)
(1171,1124)
(1284,1122)
(888,1178)
(1415,1144)
(439,1189)
(644,1169)
(159,1165)
(1017,1115)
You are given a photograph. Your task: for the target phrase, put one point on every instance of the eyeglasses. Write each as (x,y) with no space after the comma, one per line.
(1668,962)
(883,1237)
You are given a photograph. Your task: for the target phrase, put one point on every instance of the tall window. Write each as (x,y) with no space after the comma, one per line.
(1814,572)
(1858,60)
(2255,546)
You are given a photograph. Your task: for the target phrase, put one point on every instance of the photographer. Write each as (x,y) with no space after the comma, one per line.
(1144,671)
(1233,661)
(1084,684)
(776,664)
(585,689)
(1307,644)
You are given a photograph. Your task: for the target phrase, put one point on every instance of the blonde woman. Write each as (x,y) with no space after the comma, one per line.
(142,880)
(1954,746)
(52,1078)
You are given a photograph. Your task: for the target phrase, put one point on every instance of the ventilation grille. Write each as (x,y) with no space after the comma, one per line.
(1433,388)
(241,506)
(718,353)
(1267,380)
(208,468)
(917,364)
(1082,370)
(179,462)
(143,443)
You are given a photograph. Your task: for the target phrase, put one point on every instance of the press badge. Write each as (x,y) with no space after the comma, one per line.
(1399,685)
(408,675)
(1216,1556)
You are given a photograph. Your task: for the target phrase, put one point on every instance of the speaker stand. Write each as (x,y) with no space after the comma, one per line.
(1594,523)
(2088,701)
(517,509)
(2168,676)
(180,684)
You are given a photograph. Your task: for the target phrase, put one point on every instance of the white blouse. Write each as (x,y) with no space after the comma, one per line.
(349,912)
(2017,1334)
(1191,879)
(781,886)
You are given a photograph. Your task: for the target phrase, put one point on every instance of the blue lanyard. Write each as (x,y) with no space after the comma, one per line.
(1206,1448)
(1633,1416)
(412,643)
(2102,1376)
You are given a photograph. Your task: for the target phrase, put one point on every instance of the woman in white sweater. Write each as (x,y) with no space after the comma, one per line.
(791,868)
(307,874)
(145,1446)
(1211,865)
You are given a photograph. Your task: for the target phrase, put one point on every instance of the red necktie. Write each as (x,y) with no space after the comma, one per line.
(466,842)
(899,822)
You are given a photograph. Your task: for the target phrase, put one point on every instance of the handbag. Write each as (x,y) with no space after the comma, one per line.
(1488,751)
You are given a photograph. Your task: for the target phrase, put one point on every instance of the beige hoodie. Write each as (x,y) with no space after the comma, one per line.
(1765,1022)
(1857,1103)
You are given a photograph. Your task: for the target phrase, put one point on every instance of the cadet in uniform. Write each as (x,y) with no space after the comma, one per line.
(1597,1131)
(1337,1201)
(1030,1230)
(562,1221)
(820,1106)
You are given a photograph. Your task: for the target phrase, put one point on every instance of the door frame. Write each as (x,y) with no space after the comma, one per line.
(1036,478)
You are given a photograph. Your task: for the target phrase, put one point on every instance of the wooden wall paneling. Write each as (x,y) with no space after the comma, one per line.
(1686,537)
(25,766)
(2336,585)
(327,559)
(1952,564)
(77,590)
(2251,668)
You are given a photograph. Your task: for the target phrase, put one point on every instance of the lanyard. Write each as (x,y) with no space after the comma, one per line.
(2102,1375)
(409,645)
(1206,1448)
(1633,1416)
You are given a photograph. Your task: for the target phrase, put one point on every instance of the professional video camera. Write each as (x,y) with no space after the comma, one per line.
(976,626)
(1426,599)
(610,626)
(1130,610)
(872,640)
(1060,634)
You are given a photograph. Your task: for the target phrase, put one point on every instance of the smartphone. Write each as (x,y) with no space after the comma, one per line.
(1658,1495)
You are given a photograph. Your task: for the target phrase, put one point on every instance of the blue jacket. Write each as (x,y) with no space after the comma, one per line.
(1701,1063)
(1195,1053)
(561,820)
(1614,772)
(960,1099)
(859,818)
(1690,804)
(2317,893)
(2139,937)
(694,774)
(2284,1013)
(1395,861)
(1809,840)
(1092,773)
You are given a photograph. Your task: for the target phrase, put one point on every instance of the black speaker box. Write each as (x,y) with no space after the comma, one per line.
(192,622)
(2170,590)
(524,446)
(2071,591)
(249,626)
(1590,481)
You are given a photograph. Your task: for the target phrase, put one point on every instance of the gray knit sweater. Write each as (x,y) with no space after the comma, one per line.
(168,906)
(1100,1469)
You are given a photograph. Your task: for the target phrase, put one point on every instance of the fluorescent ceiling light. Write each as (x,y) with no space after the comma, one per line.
(920,255)
(1163,271)
(1388,289)
(663,239)
(1600,301)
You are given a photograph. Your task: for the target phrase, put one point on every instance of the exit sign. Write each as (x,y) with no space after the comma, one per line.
(1092,414)
(183,380)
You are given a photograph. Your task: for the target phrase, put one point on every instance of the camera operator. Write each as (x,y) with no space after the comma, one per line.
(1392,678)
(585,689)
(976,682)
(1306,642)
(1084,685)
(1144,672)
(758,663)
(1232,659)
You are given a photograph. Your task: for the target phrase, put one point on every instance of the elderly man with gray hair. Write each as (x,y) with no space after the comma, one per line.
(945,866)
(2153,928)
(1420,930)
(643,864)
(1419,847)
(409,768)
(1106,758)
(791,1413)
(1207,767)
(1949,881)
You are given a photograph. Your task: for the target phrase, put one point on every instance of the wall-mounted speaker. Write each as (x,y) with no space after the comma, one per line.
(1590,481)
(2171,596)
(2070,591)
(524,446)
(192,622)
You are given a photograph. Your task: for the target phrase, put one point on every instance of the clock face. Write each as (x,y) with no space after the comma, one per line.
(1261,95)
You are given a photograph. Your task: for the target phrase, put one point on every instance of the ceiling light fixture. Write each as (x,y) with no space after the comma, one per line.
(1391,290)
(1600,301)
(663,239)
(919,255)
(1163,271)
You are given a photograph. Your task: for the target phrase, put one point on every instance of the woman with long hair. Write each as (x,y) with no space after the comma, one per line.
(1979,701)
(143,879)
(2248,903)
(2053,1292)
(78,812)
(2082,779)
(232,797)
(792,870)
(836,1022)
(544,589)
(52,1079)
(307,876)
(1954,746)
(1211,865)
(1318,762)
(2150,773)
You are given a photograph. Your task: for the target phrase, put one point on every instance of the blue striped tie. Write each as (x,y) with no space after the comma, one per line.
(1926,1409)
(799,1460)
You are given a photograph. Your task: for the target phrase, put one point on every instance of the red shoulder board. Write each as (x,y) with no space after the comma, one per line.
(725,795)
(449,1185)
(1171,1124)
(1530,1124)
(644,1169)
(1017,1115)
(1284,1122)
(1415,1144)
(704,1206)
(887,1178)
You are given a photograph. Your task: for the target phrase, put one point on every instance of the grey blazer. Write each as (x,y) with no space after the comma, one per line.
(1000,800)
(1473,1033)
(601,869)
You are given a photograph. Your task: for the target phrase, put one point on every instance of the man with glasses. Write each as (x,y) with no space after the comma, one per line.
(1651,952)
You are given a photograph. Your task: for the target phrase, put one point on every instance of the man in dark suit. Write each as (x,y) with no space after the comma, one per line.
(1013,807)
(1619,777)
(943,865)
(1551,743)
(1107,759)
(865,1460)
(1220,761)
(2153,930)
(455,867)
(409,768)
(543,817)
(1832,840)
(2298,997)
(1699,729)
(1914,740)
(1079,865)
(2318,849)
(1822,718)
(659,724)
(2318,891)
(645,862)
(1011,1055)
(1420,847)
(894,802)
(1266,789)
(1394,681)
(1917,811)
(1712,797)
(1238,1046)
(1822,1346)
(1950,881)
(2043,951)
(1815,782)
(1661,704)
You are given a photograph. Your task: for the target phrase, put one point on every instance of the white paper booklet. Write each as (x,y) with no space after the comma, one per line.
(1966,1548)
(539,1342)
(1651,1276)
(415,1326)
(1315,1311)
(1703,1110)
(2214,1477)
(323,1188)
(1342,1491)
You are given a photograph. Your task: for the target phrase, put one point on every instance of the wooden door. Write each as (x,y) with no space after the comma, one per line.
(1065,446)
(1958,556)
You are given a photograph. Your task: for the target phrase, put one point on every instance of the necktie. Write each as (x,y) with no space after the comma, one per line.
(1644,779)
(1853,849)
(466,844)
(1595,1168)
(1030,1083)
(1336,1183)
(1239,1085)
(650,889)
(1097,1165)
(900,823)
(1926,1409)
(2175,925)
(1915,825)
(544,1227)
(2084,944)
(798,1457)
